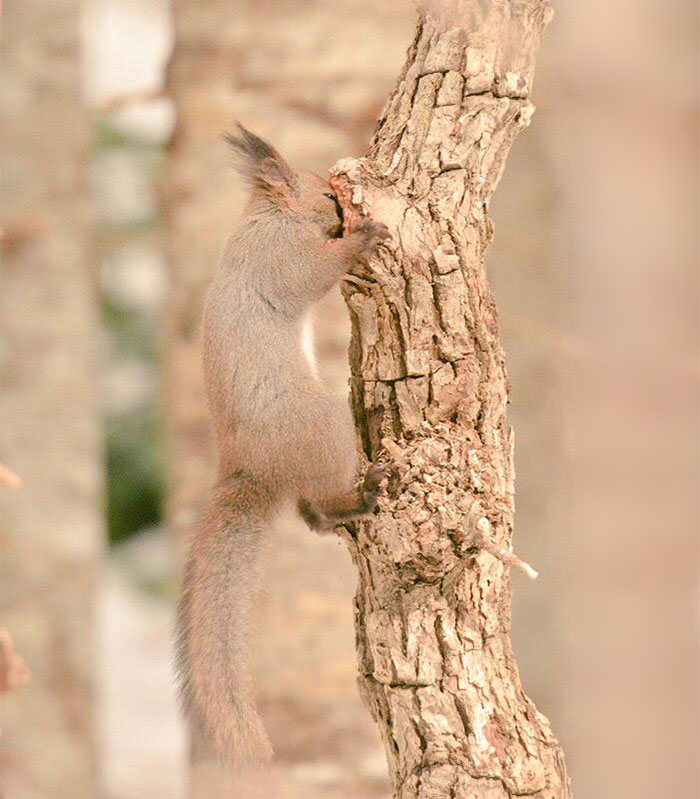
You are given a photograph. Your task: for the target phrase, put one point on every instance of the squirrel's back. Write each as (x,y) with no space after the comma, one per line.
(267,404)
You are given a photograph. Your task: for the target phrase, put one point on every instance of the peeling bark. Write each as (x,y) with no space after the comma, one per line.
(429,392)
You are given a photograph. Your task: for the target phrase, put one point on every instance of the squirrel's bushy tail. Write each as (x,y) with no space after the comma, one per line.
(218,599)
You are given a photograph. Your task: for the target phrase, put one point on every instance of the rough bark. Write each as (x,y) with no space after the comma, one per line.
(52,525)
(429,392)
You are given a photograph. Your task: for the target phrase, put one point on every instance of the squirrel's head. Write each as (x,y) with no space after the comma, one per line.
(300,194)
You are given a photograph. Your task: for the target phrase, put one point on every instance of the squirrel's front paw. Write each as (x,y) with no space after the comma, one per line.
(373,234)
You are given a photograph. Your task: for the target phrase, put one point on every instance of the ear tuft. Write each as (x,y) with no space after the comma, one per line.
(259,163)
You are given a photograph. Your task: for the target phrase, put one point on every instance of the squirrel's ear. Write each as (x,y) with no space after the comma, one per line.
(260,164)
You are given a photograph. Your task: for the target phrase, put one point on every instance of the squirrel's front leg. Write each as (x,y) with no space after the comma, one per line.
(340,256)
(324,515)
(361,242)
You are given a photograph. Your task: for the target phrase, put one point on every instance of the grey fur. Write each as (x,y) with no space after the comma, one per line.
(257,161)
(280,432)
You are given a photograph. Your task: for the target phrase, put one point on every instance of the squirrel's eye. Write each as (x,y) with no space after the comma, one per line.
(330,196)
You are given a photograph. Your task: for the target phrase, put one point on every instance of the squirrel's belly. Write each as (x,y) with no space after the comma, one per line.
(307,344)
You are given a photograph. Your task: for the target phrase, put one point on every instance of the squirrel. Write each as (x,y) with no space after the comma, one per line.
(280,432)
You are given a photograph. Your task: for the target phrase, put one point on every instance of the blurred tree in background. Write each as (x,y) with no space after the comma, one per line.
(51,434)
(124,171)
(283,70)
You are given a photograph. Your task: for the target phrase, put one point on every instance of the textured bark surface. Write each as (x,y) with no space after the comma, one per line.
(430,392)
(50,432)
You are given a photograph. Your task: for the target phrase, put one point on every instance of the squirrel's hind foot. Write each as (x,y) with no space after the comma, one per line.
(325,516)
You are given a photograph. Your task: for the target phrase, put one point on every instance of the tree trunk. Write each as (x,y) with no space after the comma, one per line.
(429,392)
(52,525)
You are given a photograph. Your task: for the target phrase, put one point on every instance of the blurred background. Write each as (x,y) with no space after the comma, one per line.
(116,195)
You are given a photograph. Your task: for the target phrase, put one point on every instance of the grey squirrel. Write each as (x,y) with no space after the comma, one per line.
(280,433)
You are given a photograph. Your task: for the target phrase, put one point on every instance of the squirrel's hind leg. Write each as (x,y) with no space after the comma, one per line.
(324,515)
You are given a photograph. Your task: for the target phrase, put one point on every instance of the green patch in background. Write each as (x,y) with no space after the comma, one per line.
(134,473)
